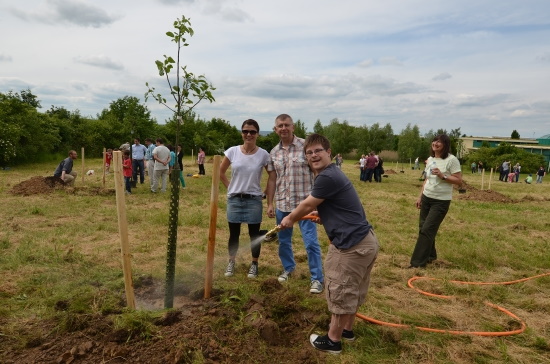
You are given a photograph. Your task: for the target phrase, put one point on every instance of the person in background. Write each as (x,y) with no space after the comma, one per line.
(108,160)
(138,156)
(127,171)
(149,159)
(180,163)
(244,194)
(529,179)
(474,167)
(339,160)
(290,184)
(370,164)
(416,163)
(362,170)
(200,161)
(511,177)
(161,155)
(540,173)
(353,249)
(379,170)
(172,158)
(442,172)
(517,171)
(65,169)
(480,167)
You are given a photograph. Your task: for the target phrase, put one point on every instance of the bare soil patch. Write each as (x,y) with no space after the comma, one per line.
(271,325)
(472,193)
(38,185)
(43,185)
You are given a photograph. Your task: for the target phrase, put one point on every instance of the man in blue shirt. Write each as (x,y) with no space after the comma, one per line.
(138,156)
(65,169)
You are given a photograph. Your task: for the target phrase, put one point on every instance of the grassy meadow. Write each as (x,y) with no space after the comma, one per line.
(65,247)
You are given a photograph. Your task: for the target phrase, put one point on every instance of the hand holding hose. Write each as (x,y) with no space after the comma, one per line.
(287,221)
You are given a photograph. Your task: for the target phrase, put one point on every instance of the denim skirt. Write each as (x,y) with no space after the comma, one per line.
(244,210)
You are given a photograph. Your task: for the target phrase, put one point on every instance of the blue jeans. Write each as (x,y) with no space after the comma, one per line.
(313,250)
(128,184)
(138,164)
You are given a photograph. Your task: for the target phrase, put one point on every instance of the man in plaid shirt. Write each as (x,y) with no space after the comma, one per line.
(287,188)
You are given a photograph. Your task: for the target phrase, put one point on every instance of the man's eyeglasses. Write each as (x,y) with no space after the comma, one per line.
(309,153)
(251,132)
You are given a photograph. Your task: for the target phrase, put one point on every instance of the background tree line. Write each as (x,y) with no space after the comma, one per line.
(26,134)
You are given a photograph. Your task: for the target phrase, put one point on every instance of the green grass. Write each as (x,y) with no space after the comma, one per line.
(63,250)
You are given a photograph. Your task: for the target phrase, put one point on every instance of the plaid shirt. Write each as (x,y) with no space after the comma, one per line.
(294,178)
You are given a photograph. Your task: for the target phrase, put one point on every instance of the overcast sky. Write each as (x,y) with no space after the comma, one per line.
(483,66)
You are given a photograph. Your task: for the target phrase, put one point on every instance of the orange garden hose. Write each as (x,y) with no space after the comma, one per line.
(456,332)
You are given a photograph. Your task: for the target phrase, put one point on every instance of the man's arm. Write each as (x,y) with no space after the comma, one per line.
(304,208)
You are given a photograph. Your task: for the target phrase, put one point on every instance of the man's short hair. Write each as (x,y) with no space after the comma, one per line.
(284,117)
(72,151)
(159,140)
(149,140)
(314,139)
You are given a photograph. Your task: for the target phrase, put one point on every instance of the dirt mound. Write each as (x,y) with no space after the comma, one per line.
(266,327)
(469,192)
(38,185)
(389,171)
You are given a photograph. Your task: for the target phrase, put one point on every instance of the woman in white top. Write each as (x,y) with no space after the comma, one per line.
(244,194)
(442,172)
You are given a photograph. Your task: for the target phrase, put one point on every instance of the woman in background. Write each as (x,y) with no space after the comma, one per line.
(442,172)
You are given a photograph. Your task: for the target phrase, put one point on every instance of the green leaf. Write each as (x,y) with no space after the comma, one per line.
(170,34)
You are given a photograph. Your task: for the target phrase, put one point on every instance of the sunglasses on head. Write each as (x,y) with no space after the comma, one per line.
(251,132)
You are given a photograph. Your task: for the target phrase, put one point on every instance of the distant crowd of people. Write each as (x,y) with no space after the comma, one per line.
(371,165)
(153,159)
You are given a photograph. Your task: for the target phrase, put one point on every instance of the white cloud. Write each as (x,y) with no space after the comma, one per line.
(100,61)
(74,12)
(5,58)
(442,76)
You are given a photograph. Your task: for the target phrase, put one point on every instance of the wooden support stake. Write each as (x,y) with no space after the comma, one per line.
(212,230)
(104,162)
(83,171)
(490,179)
(123,230)
(482,178)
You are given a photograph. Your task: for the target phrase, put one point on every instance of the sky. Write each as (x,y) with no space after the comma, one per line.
(481,66)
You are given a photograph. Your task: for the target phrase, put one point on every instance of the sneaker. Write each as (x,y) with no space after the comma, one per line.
(325,344)
(316,287)
(230,270)
(253,271)
(284,277)
(348,335)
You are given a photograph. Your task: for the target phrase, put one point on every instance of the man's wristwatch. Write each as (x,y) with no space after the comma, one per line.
(444,177)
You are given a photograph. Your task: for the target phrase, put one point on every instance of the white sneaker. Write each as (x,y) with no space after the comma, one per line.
(230,270)
(284,277)
(316,287)
(253,271)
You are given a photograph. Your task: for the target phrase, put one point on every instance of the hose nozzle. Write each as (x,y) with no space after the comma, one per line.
(272,234)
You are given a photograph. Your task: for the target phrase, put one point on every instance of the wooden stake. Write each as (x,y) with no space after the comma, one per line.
(490,179)
(212,230)
(123,230)
(104,162)
(83,171)
(482,177)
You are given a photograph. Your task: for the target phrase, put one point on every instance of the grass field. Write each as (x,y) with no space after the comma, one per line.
(64,248)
